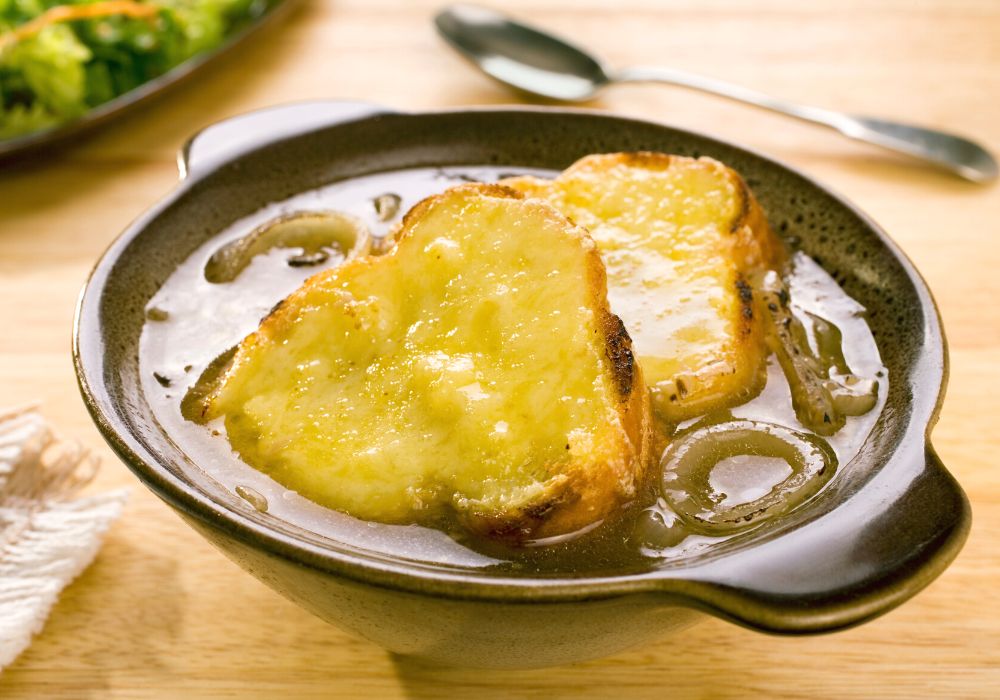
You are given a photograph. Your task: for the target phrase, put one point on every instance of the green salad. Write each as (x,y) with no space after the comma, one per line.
(61,58)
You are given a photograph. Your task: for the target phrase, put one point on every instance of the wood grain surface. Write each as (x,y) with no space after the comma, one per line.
(163,615)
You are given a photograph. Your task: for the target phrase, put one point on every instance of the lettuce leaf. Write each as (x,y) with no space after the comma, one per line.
(59,73)
(51,64)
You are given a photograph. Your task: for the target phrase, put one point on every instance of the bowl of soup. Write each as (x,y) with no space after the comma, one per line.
(759,507)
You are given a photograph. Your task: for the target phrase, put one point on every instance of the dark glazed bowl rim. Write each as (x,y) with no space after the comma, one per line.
(777,589)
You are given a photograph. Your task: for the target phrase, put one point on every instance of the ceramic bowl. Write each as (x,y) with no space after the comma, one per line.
(885,526)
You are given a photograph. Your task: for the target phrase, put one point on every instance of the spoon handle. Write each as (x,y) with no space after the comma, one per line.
(959,155)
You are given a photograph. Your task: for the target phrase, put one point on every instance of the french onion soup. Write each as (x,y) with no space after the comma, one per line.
(546,371)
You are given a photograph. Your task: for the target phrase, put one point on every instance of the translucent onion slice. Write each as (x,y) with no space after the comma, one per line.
(824,390)
(689,461)
(193,403)
(387,206)
(316,236)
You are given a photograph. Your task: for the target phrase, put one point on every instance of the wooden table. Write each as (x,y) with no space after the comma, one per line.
(162,614)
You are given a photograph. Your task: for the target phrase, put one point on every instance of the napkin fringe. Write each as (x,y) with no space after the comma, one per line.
(46,539)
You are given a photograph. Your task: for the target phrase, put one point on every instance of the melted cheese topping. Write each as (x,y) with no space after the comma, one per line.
(464,369)
(664,227)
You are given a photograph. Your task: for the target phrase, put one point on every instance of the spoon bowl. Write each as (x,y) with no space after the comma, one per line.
(523,57)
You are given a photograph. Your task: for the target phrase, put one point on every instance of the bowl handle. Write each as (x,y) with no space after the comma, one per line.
(890,537)
(230,137)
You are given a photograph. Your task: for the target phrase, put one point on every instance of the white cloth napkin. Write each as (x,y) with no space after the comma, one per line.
(47,537)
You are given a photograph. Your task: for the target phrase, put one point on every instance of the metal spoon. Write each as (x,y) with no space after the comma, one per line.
(542,64)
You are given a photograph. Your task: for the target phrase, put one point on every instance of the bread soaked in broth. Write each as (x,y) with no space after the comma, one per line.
(681,239)
(474,370)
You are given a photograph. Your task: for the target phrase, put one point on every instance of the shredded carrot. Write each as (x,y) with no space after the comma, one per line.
(69,13)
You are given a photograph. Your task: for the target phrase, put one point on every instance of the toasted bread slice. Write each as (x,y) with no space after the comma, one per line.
(475,369)
(680,238)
